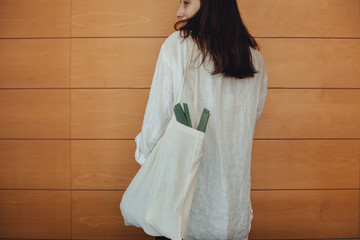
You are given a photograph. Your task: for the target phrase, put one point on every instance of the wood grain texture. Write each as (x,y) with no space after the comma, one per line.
(30,113)
(295,63)
(119,18)
(295,113)
(305,164)
(265,18)
(305,214)
(310,113)
(114,62)
(35,164)
(102,164)
(35,63)
(287,214)
(96,215)
(317,213)
(67,155)
(35,214)
(110,164)
(130,62)
(311,63)
(34,18)
(305,18)
(107,113)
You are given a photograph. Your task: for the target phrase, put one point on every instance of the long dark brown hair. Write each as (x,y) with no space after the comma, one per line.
(218,30)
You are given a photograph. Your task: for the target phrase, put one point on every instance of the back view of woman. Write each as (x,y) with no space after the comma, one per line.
(233,86)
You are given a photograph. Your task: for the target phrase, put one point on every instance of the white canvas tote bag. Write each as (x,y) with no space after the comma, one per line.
(159,197)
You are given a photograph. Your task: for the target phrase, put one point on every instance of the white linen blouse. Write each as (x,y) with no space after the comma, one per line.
(221,207)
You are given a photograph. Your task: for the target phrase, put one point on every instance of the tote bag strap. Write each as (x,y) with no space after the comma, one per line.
(195,97)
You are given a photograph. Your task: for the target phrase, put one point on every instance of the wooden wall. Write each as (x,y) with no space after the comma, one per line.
(75,79)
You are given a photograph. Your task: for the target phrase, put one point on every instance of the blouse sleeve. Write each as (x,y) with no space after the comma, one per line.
(158,110)
(263,90)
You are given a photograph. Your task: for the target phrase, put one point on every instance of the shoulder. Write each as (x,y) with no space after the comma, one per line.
(173,40)
(257,58)
(175,47)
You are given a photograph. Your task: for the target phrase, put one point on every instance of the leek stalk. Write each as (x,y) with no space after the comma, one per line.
(184,117)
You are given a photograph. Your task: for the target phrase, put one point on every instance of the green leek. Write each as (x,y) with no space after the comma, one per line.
(204,120)
(187,114)
(184,117)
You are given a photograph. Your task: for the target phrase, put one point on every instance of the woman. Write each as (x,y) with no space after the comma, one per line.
(233,86)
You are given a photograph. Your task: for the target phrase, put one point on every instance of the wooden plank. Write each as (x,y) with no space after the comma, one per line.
(107,113)
(310,113)
(102,164)
(295,113)
(30,113)
(35,214)
(97,215)
(106,63)
(305,18)
(130,62)
(35,18)
(35,63)
(314,168)
(277,215)
(109,62)
(305,164)
(26,164)
(305,214)
(312,63)
(122,18)
(284,18)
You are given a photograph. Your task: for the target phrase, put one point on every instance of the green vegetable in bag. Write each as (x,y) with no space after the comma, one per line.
(187,114)
(180,115)
(184,117)
(204,120)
